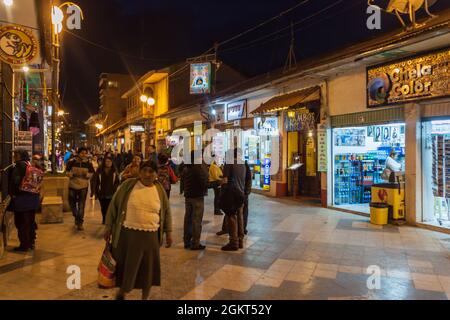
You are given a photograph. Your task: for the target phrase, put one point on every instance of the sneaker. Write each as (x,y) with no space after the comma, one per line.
(21,249)
(221,233)
(80,227)
(187,246)
(229,247)
(199,247)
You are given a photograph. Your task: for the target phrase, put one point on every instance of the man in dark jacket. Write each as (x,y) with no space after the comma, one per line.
(24,204)
(234,175)
(80,170)
(195,182)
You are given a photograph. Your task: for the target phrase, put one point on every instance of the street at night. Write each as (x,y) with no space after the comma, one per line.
(226,151)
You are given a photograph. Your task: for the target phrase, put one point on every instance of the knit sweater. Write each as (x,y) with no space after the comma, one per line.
(117,211)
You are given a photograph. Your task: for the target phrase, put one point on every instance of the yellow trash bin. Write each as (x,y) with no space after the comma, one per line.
(379,213)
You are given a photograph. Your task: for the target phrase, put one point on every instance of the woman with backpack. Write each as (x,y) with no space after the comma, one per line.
(105,182)
(166,175)
(24,189)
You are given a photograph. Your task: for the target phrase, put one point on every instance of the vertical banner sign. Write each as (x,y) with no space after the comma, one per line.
(200,78)
(266,184)
(310,158)
(322,165)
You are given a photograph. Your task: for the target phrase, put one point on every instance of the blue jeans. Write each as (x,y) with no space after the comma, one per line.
(193,221)
(77,199)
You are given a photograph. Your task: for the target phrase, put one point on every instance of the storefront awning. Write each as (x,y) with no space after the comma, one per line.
(119,124)
(289,100)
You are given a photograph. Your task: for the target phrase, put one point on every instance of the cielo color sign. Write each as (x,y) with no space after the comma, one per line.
(420,78)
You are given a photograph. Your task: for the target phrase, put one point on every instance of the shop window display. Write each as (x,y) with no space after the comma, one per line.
(436,172)
(360,155)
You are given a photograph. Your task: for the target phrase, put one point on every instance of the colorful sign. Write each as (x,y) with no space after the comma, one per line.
(24,141)
(425,77)
(18,45)
(322,163)
(236,110)
(299,120)
(266,172)
(200,78)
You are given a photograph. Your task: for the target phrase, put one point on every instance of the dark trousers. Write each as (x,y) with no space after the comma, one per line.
(193,221)
(168,194)
(245,212)
(77,199)
(104,204)
(26,227)
(235,226)
(216,200)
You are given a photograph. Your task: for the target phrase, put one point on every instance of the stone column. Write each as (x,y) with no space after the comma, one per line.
(413,163)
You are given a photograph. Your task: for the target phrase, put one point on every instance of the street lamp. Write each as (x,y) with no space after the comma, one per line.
(99,126)
(151,101)
(144,98)
(61,113)
(26,69)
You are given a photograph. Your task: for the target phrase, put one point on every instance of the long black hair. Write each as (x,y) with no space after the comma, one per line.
(102,167)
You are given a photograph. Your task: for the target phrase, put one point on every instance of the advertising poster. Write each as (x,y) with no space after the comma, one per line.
(266,183)
(322,164)
(310,158)
(236,110)
(200,78)
(24,141)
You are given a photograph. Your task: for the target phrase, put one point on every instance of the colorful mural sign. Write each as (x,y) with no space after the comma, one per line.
(18,45)
(200,78)
(420,78)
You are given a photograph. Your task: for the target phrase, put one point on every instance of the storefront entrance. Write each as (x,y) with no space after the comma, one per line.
(359,155)
(436,172)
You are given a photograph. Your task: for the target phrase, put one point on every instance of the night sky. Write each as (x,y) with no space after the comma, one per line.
(145,35)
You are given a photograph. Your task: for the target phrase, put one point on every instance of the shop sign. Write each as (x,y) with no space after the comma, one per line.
(266,168)
(299,120)
(322,163)
(236,110)
(266,126)
(135,129)
(18,45)
(421,78)
(24,141)
(200,78)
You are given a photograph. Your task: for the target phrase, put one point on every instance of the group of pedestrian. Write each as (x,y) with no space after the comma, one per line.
(231,186)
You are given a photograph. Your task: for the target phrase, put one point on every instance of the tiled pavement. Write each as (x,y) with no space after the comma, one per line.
(293,251)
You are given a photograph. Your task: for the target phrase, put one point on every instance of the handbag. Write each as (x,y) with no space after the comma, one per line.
(107,269)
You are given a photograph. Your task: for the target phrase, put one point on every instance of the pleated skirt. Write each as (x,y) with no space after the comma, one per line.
(137,260)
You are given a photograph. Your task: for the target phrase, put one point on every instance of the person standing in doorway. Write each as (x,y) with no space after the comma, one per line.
(105,183)
(23,203)
(80,171)
(195,181)
(138,218)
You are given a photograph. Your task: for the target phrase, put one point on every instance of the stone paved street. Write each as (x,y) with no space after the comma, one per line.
(293,251)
